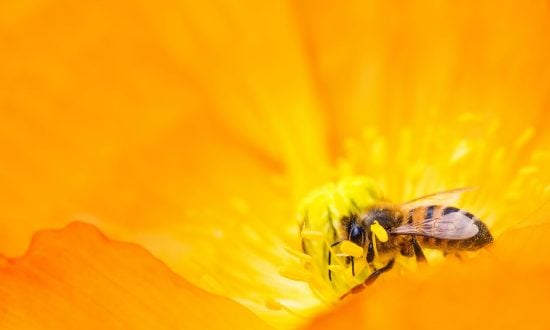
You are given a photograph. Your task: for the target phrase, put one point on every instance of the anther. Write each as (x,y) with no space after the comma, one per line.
(351,249)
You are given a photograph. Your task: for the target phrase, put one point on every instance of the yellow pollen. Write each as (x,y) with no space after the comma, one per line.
(374,245)
(351,249)
(379,231)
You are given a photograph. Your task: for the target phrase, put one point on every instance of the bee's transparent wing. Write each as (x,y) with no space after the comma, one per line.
(447,197)
(454,225)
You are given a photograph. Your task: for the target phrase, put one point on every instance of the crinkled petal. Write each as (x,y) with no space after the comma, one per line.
(189,128)
(76,278)
(135,111)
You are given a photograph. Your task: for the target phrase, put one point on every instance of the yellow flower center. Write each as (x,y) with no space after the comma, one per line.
(325,262)
(301,255)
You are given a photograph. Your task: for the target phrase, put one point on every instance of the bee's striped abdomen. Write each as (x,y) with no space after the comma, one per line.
(419,215)
(480,239)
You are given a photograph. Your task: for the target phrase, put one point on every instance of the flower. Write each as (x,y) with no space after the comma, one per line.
(197,130)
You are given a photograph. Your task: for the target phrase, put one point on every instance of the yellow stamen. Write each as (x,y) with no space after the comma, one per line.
(336,268)
(524,137)
(351,249)
(461,150)
(298,254)
(313,235)
(295,273)
(320,213)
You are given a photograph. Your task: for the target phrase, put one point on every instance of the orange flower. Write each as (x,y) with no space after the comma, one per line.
(197,130)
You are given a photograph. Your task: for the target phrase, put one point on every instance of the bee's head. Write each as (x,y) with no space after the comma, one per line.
(355,230)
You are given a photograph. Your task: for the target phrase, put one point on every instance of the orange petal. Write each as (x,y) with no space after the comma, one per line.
(171,124)
(76,278)
(174,111)
(403,65)
(500,289)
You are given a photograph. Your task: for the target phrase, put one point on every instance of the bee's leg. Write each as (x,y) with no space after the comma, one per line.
(329,259)
(455,254)
(370,253)
(372,277)
(407,250)
(353,266)
(418,250)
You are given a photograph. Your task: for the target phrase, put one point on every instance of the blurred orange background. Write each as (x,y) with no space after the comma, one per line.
(161,122)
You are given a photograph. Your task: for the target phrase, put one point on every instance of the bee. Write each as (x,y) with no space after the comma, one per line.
(386,230)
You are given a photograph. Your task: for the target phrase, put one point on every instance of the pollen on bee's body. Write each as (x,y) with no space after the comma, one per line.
(379,231)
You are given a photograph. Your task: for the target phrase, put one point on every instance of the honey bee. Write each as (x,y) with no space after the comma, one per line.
(386,230)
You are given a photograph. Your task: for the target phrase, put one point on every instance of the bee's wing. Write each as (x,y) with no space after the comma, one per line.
(453,225)
(447,197)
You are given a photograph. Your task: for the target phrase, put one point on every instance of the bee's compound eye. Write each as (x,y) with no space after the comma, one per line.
(356,234)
